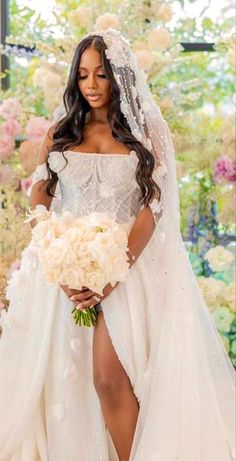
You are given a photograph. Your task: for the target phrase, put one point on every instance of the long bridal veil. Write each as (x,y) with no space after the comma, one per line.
(188,393)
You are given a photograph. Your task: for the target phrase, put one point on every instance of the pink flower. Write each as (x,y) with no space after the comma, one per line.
(11,108)
(6,147)
(11,127)
(7,175)
(225,170)
(36,128)
(25,185)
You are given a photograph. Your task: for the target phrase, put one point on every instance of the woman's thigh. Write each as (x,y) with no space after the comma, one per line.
(108,372)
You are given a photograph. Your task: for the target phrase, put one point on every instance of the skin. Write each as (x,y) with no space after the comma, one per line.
(118,403)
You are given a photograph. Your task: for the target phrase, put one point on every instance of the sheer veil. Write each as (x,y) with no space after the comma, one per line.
(187,393)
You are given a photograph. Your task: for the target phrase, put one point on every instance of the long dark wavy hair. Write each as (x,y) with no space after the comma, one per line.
(68,132)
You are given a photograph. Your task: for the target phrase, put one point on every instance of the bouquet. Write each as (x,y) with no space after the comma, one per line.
(88,251)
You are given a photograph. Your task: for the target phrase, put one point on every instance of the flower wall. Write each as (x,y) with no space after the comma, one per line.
(194,91)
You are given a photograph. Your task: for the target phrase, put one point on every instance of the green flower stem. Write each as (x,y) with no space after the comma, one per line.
(88,317)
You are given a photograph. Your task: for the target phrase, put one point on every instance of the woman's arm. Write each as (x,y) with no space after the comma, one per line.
(39,194)
(140,233)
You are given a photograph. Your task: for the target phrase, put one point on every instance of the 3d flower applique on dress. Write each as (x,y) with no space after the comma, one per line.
(70,372)
(57,411)
(56,161)
(76,344)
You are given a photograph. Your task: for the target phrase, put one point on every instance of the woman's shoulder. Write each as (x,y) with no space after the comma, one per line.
(47,143)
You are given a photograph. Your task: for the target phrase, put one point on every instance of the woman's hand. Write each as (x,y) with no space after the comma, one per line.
(79,297)
(87,298)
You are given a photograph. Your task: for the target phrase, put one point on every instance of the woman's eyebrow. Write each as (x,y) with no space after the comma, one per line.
(84,68)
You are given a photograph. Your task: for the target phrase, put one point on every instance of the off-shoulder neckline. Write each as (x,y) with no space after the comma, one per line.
(99,154)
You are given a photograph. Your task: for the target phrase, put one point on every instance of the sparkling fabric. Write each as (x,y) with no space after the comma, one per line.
(159,325)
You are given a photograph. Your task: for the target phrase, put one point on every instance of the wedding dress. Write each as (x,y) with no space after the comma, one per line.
(160,328)
(159,324)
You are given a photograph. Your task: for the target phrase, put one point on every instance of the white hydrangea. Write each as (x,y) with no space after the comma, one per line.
(223,318)
(229,296)
(212,290)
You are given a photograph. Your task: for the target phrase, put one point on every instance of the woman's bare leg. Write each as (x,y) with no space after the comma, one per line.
(118,402)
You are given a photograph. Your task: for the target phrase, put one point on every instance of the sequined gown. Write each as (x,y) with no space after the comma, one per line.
(160,328)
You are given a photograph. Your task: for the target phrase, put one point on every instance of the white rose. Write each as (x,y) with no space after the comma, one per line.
(145,59)
(107,20)
(81,16)
(73,276)
(159,39)
(100,220)
(164,13)
(219,258)
(96,281)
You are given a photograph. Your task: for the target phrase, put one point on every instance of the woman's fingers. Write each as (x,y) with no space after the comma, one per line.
(92,301)
(82,296)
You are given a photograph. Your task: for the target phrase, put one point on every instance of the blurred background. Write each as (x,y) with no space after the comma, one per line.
(187,50)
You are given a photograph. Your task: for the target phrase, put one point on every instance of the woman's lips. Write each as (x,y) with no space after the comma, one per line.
(93,97)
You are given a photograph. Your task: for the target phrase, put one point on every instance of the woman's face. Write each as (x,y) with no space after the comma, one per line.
(94,86)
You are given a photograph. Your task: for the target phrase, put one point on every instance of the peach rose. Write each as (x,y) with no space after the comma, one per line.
(11,108)
(145,59)
(11,127)
(81,16)
(36,128)
(28,154)
(159,39)
(6,147)
(107,20)
(164,13)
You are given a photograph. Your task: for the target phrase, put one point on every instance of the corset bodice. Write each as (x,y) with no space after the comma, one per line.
(98,182)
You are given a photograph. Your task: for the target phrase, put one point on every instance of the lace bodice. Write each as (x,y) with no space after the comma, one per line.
(97,182)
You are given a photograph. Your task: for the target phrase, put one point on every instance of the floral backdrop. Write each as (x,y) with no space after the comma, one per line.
(195,92)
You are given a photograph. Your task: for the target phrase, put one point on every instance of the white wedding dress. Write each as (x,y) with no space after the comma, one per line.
(160,328)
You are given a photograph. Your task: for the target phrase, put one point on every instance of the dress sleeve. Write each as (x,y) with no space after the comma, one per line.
(39,173)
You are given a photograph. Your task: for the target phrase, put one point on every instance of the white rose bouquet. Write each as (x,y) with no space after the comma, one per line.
(88,251)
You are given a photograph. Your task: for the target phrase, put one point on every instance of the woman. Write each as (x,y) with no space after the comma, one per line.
(152,381)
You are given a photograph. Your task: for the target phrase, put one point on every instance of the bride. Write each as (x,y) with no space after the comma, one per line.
(151,381)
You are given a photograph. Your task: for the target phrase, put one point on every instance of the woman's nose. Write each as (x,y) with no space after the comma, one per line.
(92,82)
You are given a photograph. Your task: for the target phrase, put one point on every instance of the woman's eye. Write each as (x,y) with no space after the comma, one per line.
(102,75)
(82,77)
